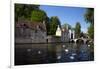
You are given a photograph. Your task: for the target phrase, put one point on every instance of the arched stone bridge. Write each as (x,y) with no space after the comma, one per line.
(80,40)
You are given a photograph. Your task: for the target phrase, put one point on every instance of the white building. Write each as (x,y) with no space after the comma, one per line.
(71,34)
(63,33)
(58,31)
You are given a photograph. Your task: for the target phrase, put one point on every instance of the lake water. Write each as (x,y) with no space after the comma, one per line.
(52,53)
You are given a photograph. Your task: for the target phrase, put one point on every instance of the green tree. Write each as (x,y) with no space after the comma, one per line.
(77,30)
(91,31)
(38,15)
(66,25)
(54,22)
(69,26)
(89,15)
(48,25)
(31,12)
(24,10)
(89,18)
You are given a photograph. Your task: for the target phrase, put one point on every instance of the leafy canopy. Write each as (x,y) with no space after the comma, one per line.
(54,22)
(89,15)
(24,10)
(77,30)
(38,15)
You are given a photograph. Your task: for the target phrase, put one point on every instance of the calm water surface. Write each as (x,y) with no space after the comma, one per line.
(52,53)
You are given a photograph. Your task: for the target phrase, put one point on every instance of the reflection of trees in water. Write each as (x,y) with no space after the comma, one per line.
(52,53)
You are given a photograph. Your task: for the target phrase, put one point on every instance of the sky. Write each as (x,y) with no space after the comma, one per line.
(69,15)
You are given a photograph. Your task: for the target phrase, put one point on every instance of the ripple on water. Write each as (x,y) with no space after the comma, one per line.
(66,50)
(39,52)
(28,50)
(58,57)
(72,57)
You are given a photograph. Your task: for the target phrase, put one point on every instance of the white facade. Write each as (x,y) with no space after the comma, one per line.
(58,31)
(71,34)
(65,34)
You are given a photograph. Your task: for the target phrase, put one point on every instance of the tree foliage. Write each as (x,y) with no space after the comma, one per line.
(66,26)
(34,13)
(54,22)
(89,18)
(48,25)
(24,10)
(38,15)
(91,31)
(89,15)
(77,30)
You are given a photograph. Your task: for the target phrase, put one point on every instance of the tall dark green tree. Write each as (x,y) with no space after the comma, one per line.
(77,30)
(89,18)
(89,15)
(91,31)
(54,22)
(48,25)
(24,10)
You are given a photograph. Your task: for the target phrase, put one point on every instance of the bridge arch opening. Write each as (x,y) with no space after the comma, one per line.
(79,41)
(87,41)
